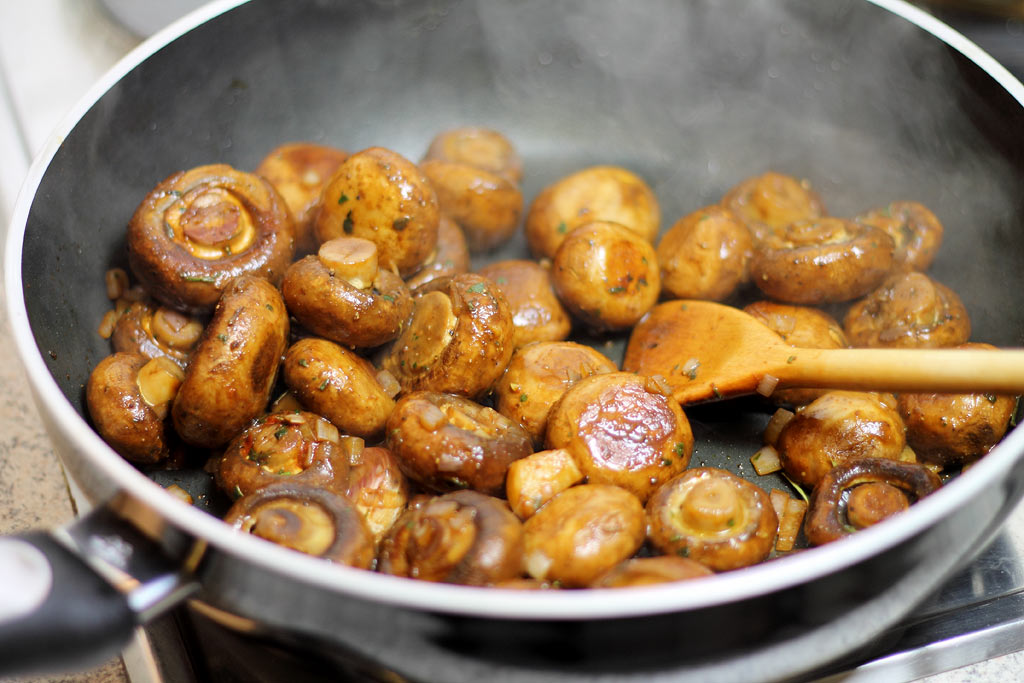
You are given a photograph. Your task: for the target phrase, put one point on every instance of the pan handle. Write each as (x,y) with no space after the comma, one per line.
(71,598)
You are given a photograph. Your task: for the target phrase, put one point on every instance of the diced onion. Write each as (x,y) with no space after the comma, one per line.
(326,431)
(789,524)
(431,417)
(779,498)
(117,283)
(689,368)
(766,460)
(446,462)
(179,493)
(907,455)
(656,384)
(538,564)
(388,383)
(767,385)
(106,328)
(779,420)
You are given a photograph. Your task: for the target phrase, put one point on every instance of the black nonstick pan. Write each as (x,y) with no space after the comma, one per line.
(874,102)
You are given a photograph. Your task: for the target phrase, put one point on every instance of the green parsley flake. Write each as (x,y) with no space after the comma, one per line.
(523,398)
(323,385)
(562,228)
(714,388)
(343,198)
(679,448)
(303,363)
(399,224)
(279,434)
(348,226)
(198,278)
(222,337)
(618,289)
(387,297)
(790,359)
(237,492)
(666,462)
(478,288)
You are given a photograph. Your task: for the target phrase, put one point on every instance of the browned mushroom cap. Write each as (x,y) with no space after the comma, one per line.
(714,517)
(487,206)
(342,295)
(459,339)
(581,533)
(128,396)
(862,492)
(480,147)
(199,229)
(622,429)
(378,488)
(306,518)
(448,442)
(537,313)
(803,327)
(383,197)
(538,375)
(450,256)
(908,310)
(914,229)
(297,446)
(771,201)
(704,255)
(821,260)
(299,171)
(606,275)
(156,331)
(332,381)
(955,429)
(234,367)
(598,193)
(645,571)
(462,537)
(839,426)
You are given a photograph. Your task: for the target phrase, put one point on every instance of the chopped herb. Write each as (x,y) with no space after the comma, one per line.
(679,448)
(501,280)
(168,230)
(642,282)
(562,228)
(683,552)
(666,462)
(849,528)
(692,372)
(714,388)
(348,225)
(478,288)
(343,198)
(991,398)
(523,398)
(270,307)
(237,492)
(618,289)
(175,193)
(222,337)
(676,538)
(797,487)
(303,363)
(323,385)
(400,223)
(198,278)
(731,522)
(790,359)
(387,297)
(279,434)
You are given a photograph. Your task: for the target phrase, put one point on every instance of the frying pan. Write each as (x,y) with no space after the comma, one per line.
(872,101)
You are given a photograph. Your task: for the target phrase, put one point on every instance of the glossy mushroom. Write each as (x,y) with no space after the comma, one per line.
(449,257)
(154,330)
(463,537)
(483,148)
(378,488)
(704,255)
(863,492)
(771,201)
(915,230)
(199,229)
(537,313)
(647,571)
(714,517)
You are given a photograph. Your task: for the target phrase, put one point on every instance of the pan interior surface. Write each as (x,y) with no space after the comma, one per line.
(692,96)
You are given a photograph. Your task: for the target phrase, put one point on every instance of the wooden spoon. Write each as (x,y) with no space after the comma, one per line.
(708,351)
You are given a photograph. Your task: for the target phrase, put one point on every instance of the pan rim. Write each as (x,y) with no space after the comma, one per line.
(724,588)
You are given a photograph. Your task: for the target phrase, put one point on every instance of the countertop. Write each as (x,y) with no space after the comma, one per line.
(51,51)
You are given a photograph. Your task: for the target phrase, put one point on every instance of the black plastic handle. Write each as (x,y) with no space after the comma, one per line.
(78,620)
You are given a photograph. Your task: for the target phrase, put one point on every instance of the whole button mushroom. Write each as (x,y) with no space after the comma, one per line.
(199,229)
(537,313)
(450,256)
(480,147)
(341,294)
(771,201)
(381,196)
(704,255)
(915,230)
(714,517)
(458,340)
(622,429)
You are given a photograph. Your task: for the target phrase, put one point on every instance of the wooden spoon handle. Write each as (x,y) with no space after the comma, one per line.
(920,370)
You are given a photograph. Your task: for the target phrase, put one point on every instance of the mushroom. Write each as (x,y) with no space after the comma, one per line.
(463,537)
(704,255)
(914,229)
(154,330)
(714,517)
(537,313)
(863,492)
(449,257)
(646,571)
(771,201)
(479,147)
(378,488)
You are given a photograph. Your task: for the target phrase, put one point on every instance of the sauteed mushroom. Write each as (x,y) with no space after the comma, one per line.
(342,295)
(914,229)
(606,275)
(381,196)
(646,571)
(299,171)
(128,396)
(537,313)
(714,517)
(233,369)
(458,340)
(581,533)
(908,310)
(480,147)
(955,429)
(622,429)
(297,446)
(447,442)
(863,492)
(771,201)
(306,518)
(463,537)
(378,488)
(332,381)
(450,256)
(156,331)
(598,193)
(487,206)
(704,255)
(538,375)
(822,260)
(198,229)
(837,427)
